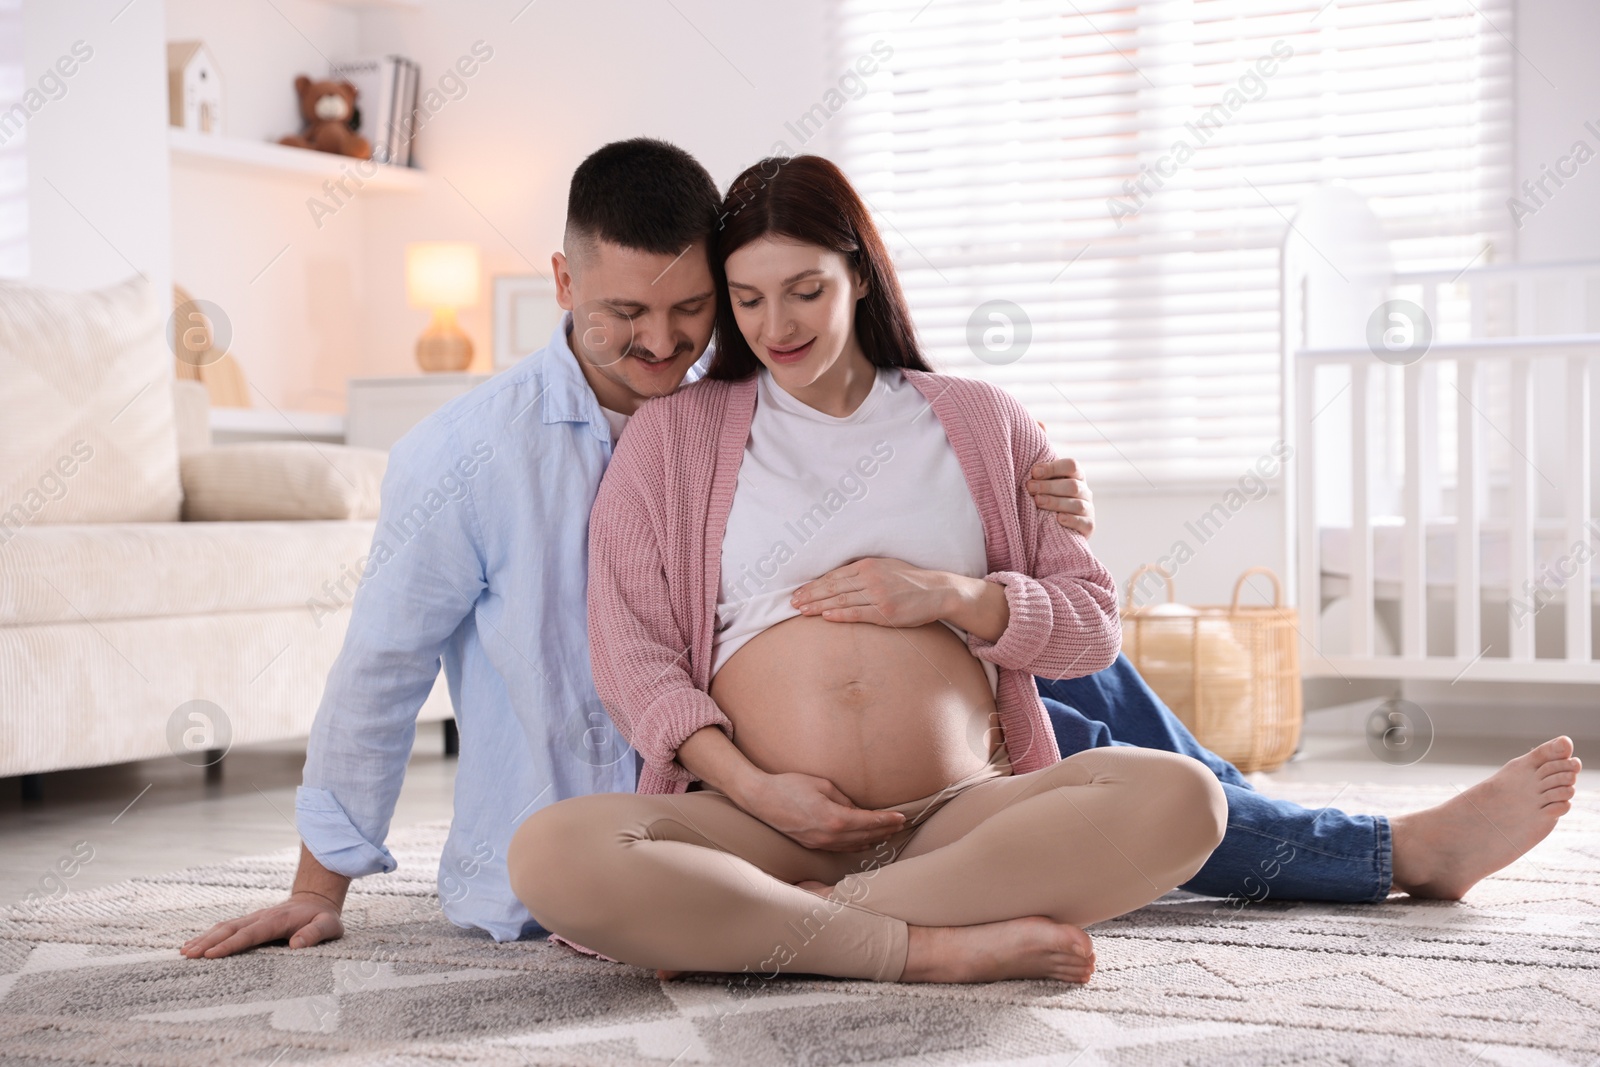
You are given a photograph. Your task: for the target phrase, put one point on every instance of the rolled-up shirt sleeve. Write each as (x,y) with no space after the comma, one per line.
(422,577)
(333,838)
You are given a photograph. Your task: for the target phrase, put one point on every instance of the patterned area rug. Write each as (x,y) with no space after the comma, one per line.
(1510,978)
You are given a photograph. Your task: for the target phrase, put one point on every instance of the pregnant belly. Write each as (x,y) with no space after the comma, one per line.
(887,715)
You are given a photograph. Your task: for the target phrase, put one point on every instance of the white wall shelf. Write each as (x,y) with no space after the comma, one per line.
(261,157)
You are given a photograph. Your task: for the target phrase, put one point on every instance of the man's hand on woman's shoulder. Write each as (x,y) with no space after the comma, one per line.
(1060,486)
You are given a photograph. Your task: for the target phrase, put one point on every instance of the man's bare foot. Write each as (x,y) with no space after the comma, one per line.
(1446,850)
(1032,947)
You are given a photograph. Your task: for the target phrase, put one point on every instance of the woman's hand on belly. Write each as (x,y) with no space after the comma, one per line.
(814,812)
(891,592)
(809,809)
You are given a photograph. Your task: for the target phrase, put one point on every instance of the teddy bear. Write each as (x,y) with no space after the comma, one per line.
(329,111)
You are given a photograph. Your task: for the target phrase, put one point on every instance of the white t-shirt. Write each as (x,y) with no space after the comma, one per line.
(617,421)
(816,492)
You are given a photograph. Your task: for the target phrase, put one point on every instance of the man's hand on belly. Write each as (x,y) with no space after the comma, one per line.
(891,592)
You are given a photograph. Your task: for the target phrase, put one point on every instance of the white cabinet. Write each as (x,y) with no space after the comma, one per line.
(381,410)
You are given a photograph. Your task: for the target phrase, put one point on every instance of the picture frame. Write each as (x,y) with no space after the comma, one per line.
(525,315)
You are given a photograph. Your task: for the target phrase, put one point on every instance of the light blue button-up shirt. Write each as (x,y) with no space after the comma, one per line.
(480,560)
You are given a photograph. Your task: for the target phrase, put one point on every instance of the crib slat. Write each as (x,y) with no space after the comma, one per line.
(1572,298)
(1469,505)
(1432,450)
(1520,546)
(1432,499)
(1580,585)
(1360,510)
(1526,322)
(1413,592)
(1307,532)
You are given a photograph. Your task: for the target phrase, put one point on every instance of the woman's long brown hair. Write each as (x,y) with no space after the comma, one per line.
(808,199)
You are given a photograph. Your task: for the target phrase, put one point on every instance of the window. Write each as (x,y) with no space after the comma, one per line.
(1122,173)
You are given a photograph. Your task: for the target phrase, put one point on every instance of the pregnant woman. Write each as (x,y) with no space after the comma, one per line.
(819,593)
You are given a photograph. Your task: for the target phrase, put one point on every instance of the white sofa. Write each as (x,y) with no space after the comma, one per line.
(115,612)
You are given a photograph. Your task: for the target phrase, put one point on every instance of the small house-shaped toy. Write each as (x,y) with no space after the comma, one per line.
(194,88)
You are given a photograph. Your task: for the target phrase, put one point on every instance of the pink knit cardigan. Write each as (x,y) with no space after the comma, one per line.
(655,557)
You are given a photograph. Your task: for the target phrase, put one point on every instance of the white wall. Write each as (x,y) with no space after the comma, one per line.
(564,79)
(1558,91)
(13,146)
(97,156)
(292,292)
(1135,528)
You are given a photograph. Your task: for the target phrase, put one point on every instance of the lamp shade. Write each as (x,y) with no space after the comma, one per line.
(442,274)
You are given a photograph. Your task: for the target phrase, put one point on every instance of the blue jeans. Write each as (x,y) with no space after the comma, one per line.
(1274,849)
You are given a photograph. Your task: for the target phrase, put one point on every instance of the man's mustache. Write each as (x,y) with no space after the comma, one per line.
(645,353)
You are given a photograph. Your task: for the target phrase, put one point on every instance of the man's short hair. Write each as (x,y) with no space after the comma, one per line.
(643,194)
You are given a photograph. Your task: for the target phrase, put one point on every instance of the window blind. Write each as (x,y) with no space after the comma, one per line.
(1123,173)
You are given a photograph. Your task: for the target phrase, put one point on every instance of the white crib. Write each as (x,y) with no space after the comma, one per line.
(1440,520)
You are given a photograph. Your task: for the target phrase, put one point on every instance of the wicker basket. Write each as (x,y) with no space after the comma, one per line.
(1231,674)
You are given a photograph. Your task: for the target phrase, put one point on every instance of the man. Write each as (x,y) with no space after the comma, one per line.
(480,562)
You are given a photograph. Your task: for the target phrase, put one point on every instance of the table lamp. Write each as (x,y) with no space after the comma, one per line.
(442,276)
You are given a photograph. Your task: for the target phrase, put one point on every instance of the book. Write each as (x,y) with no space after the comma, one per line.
(380,83)
(407,114)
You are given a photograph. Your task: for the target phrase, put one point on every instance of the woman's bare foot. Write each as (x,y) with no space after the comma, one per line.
(1446,850)
(1032,947)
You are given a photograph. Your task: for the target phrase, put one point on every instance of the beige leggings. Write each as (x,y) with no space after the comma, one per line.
(692,882)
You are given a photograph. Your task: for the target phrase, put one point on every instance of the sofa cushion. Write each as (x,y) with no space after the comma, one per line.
(86,401)
(82,694)
(284,480)
(136,570)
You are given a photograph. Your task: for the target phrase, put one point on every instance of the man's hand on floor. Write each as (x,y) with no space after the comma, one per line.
(1060,486)
(305,919)
(309,917)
